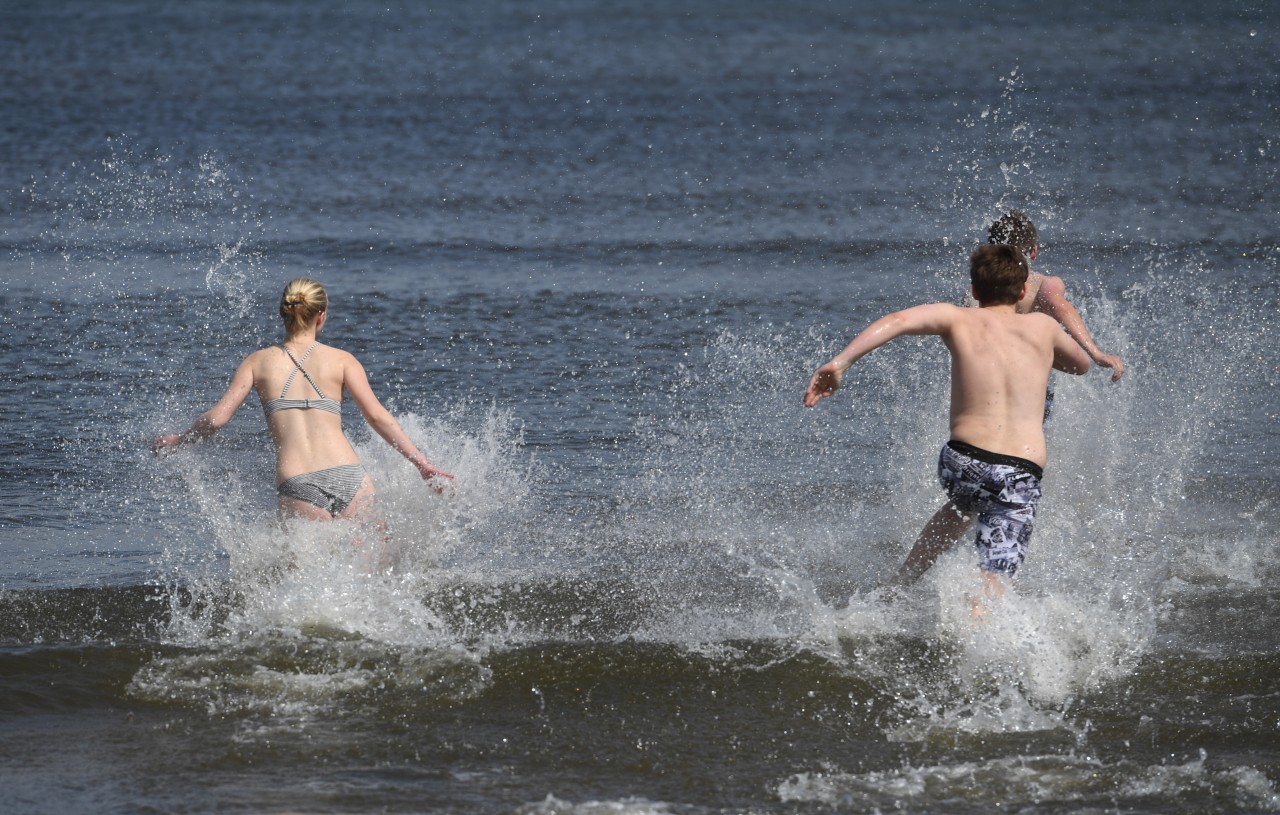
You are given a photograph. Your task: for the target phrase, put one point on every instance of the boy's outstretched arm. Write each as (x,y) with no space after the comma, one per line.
(933,318)
(1052,300)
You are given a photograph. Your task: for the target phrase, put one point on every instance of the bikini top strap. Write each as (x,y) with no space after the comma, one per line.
(297,366)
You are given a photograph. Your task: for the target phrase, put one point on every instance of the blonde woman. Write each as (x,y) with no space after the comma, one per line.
(300,383)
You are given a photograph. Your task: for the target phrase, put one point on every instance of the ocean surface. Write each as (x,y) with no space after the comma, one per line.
(590,253)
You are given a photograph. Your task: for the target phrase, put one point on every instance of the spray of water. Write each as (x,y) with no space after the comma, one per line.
(139,218)
(302,614)
(744,517)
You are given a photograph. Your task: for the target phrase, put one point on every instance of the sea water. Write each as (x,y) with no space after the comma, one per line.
(589,254)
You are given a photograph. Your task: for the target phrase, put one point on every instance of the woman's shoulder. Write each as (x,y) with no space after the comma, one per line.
(334,358)
(335,353)
(261,354)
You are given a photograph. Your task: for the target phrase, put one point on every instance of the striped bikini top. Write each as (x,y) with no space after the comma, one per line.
(323,403)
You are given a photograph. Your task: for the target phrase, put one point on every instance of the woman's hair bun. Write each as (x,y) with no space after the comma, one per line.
(302,301)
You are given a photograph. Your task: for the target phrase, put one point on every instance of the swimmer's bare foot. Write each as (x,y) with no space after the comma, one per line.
(891,589)
(980,605)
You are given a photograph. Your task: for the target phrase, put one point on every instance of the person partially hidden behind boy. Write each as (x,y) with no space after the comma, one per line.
(1047,293)
(1000,364)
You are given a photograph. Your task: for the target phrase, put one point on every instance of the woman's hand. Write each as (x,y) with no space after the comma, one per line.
(430,471)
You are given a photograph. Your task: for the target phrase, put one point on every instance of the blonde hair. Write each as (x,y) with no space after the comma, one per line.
(302,302)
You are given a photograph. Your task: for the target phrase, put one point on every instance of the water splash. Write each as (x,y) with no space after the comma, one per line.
(367,579)
(741,516)
(999,160)
(135,218)
(304,615)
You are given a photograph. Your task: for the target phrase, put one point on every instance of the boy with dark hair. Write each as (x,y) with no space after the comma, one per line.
(1044,294)
(1000,363)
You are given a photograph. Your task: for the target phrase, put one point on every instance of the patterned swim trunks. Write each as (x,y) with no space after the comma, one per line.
(1003,491)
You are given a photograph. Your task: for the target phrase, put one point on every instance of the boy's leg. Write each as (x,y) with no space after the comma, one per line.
(992,592)
(938,535)
(1004,531)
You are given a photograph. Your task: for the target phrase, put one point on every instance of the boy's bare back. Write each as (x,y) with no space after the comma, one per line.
(1000,359)
(1000,363)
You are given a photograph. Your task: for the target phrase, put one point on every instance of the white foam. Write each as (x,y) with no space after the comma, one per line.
(623,806)
(1044,780)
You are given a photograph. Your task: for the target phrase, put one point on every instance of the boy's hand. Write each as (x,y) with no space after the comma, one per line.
(826,381)
(164,443)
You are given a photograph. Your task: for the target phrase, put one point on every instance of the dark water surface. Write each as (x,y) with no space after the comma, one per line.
(589,253)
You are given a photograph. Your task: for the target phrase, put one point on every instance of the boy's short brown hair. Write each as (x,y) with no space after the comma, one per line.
(998,272)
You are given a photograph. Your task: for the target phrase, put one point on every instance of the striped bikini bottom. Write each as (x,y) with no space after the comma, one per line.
(332,490)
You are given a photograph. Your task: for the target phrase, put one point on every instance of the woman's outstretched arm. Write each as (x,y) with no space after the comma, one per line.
(216,417)
(383,423)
